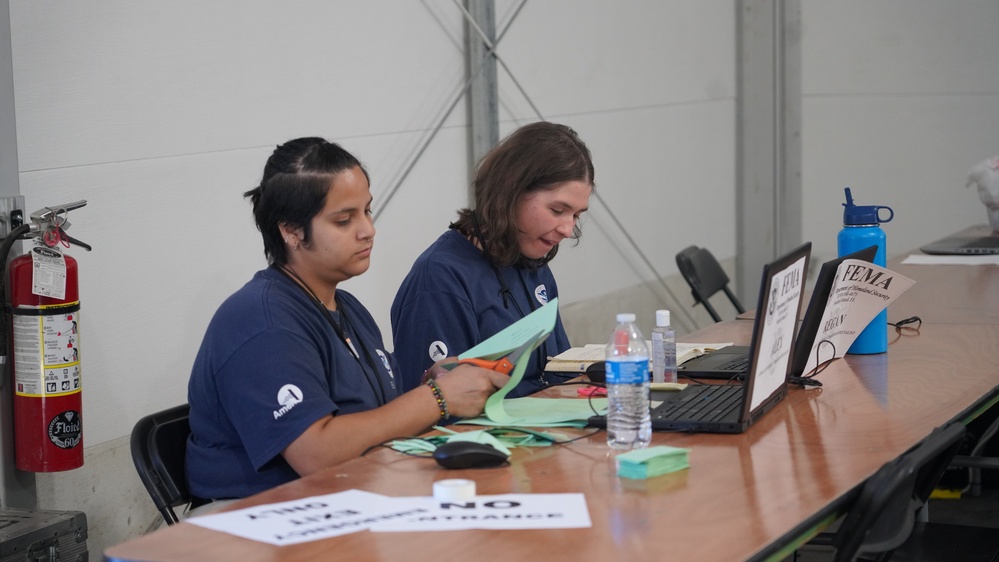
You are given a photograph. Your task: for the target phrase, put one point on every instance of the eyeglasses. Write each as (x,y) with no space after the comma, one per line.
(902,327)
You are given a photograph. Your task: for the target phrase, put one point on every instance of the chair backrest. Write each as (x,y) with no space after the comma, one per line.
(159,448)
(884,513)
(706,277)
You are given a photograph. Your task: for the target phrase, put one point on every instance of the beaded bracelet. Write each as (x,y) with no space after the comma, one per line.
(439,396)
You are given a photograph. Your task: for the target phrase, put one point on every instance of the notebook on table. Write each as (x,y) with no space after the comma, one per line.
(732,362)
(732,408)
(981,240)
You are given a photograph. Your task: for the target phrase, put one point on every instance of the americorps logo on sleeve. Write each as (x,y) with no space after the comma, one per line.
(388,366)
(541,293)
(437,350)
(289,396)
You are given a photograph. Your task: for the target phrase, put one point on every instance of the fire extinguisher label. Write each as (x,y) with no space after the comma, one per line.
(46,352)
(65,429)
(48,272)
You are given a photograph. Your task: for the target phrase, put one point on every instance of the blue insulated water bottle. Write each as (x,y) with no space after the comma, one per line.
(861,230)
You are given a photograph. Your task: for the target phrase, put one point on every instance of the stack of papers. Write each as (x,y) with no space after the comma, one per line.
(646,463)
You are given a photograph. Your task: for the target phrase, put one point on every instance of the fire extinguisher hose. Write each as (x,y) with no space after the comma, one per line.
(8,243)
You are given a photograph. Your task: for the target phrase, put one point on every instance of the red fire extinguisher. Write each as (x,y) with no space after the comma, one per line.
(45,332)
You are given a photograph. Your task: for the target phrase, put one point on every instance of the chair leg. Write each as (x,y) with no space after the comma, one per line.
(707,306)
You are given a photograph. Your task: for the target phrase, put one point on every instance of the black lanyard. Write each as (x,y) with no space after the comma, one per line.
(377,385)
(541,354)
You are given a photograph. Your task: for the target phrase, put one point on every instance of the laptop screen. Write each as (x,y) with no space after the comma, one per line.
(776,321)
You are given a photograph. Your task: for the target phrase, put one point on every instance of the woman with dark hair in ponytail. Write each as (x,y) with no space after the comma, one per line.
(292,375)
(491,267)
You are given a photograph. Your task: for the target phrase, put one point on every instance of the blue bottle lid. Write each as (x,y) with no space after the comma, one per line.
(863,214)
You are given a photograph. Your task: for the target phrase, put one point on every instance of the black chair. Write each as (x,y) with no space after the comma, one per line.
(884,514)
(159,447)
(977,459)
(706,277)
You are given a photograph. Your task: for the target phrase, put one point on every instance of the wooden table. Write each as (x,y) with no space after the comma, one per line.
(955,294)
(748,496)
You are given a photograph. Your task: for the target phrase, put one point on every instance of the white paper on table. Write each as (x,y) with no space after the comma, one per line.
(508,511)
(312,518)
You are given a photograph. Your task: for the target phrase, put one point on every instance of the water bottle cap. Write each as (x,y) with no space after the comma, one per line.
(662,318)
(863,214)
(625,317)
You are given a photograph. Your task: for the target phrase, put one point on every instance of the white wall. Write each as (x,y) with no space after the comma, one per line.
(901,98)
(162,114)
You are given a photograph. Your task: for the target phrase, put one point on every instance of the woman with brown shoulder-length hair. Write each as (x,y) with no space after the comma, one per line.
(491,267)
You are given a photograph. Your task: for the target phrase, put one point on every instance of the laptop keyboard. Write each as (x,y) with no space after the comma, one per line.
(709,402)
(740,364)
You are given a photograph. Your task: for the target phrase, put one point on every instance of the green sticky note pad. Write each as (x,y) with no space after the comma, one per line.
(652,461)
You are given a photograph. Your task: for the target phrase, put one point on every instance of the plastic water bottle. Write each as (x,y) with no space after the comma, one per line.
(861,230)
(627,362)
(663,349)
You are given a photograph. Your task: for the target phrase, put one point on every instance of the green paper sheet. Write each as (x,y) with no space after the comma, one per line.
(541,412)
(536,325)
(536,412)
(503,439)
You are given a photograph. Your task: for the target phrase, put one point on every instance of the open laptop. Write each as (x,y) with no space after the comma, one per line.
(981,240)
(732,408)
(732,362)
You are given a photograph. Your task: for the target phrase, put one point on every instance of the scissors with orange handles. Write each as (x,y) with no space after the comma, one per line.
(504,364)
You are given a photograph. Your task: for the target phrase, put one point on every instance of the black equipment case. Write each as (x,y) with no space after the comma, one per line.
(43,536)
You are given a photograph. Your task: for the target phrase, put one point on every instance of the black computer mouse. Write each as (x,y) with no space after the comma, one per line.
(468,454)
(596,371)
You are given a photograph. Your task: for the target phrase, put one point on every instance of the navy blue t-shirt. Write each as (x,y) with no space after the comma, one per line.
(450,301)
(270,366)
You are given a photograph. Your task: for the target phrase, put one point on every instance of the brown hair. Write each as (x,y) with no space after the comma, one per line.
(535,157)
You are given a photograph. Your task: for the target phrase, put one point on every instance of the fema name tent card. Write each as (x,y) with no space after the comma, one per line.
(779,323)
(860,292)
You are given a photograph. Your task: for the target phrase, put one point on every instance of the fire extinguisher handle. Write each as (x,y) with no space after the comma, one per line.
(47,214)
(72,240)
